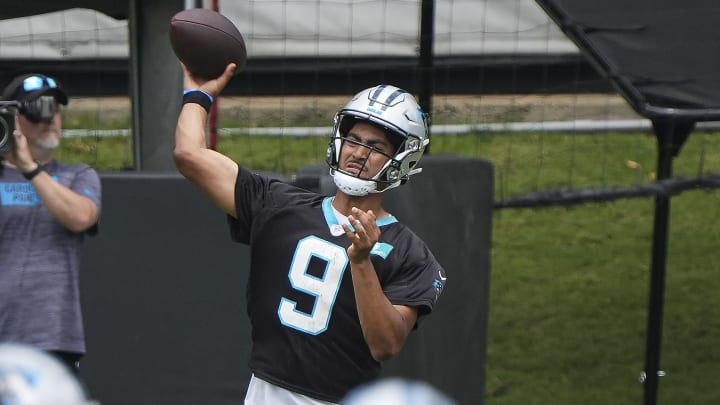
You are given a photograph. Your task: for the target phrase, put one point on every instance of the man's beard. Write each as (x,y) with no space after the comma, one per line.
(49,143)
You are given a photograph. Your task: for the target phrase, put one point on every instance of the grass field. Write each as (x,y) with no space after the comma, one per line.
(569,285)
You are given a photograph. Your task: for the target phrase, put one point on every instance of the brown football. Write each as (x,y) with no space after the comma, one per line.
(205,41)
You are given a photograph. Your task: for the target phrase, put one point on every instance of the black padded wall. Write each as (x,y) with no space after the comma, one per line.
(163,296)
(449,205)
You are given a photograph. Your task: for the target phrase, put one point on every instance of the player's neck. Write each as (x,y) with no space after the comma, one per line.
(344,203)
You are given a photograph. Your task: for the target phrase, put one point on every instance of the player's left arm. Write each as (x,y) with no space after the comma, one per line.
(385,326)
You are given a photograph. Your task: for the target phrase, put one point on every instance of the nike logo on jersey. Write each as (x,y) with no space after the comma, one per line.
(336,230)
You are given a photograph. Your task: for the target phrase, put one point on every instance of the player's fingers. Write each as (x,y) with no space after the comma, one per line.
(369,225)
(355,237)
(362,216)
(215,86)
(356,224)
(349,232)
(369,221)
(227,74)
(359,228)
(368,218)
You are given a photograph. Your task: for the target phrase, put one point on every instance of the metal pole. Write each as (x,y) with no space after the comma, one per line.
(427,35)
(670,136)
(133,33)
(213,117)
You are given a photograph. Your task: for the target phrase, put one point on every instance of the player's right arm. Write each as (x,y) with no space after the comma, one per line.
(214,173)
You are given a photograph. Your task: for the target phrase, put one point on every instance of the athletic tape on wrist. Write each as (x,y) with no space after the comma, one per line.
(198,97)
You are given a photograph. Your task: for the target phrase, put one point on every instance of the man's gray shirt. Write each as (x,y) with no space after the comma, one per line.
(39,262)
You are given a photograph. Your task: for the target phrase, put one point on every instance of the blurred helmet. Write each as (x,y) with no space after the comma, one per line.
(397,113)
(31,377)
(397,391)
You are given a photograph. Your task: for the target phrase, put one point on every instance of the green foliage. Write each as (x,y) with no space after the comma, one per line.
(569,286)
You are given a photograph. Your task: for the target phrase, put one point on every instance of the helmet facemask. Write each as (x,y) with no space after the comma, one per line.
(357,184)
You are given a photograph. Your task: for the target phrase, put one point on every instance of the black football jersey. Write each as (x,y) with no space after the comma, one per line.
(306,332)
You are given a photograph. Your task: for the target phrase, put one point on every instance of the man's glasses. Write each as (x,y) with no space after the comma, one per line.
(34,83)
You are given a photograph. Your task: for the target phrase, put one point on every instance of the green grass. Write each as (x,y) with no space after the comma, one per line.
(523,162)
(569,286)
(103,153)
(569,296)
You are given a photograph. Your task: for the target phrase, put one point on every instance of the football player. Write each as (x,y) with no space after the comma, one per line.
(337,283)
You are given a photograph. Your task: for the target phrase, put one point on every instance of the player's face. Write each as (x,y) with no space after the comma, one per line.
(44,135)
(365,150)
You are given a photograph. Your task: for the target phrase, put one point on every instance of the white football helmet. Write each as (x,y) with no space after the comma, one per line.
(396,390)
(405,124)
(31,377)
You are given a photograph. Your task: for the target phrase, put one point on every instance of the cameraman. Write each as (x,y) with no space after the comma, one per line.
(46,208)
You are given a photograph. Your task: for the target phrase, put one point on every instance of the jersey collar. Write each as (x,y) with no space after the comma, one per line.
(334,225)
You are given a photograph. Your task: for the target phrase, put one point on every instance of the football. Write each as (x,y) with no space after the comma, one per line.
(205,41)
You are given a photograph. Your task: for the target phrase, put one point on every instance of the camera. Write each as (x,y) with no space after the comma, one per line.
(41,109)
(7,127)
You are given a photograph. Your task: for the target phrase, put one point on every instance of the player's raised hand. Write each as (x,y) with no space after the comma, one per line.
(211,86)
(365,236)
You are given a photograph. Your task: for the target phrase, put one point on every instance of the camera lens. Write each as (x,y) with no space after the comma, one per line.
(7,127)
